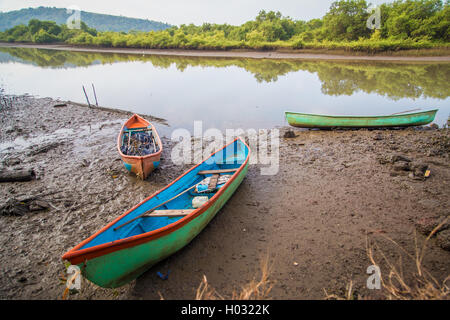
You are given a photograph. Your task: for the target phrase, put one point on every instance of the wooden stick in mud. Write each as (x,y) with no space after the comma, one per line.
(95,95)
(86,97)
(154,208)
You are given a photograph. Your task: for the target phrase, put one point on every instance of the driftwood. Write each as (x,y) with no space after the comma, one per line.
(44,148)
(20,207)
(17,175)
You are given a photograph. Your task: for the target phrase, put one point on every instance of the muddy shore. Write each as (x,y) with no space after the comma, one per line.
(334,190)
(299,54)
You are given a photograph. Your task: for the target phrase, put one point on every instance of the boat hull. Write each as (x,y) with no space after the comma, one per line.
(303,120)
(141,166)
(120,267)
(114,255)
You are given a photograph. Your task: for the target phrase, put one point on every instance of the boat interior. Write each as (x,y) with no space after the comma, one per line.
(139,141)
(176,201)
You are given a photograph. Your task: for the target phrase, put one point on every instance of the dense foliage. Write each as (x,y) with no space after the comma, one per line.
(405,24)
(45,32)
(100,22)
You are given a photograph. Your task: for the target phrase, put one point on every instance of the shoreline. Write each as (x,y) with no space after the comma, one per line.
(305,55)
(334,189)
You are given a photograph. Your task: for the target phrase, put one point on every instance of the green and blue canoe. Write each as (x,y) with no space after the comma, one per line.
(132,243)
(304,120)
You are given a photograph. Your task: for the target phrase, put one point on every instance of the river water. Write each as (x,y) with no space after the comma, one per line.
(227,93)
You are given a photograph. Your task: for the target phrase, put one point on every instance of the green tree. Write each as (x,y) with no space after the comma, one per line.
(255,36)
(346,20)
(416,18)
(43,36)
(18,31)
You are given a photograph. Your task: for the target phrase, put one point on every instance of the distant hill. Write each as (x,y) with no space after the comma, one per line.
(101,22)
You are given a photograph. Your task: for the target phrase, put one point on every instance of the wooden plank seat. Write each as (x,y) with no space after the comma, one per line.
(218,171)
(169,213)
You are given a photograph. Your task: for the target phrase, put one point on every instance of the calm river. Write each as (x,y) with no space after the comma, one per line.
(227,93)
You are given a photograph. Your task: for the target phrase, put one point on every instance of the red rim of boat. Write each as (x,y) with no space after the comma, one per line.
(76,256)
(139,157)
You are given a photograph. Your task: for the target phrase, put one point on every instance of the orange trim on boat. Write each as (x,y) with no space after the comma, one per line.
(76,256)
(136,122)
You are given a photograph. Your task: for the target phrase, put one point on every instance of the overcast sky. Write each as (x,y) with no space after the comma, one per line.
(177,12)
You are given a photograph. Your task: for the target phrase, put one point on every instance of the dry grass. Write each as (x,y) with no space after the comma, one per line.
(349,294)
(206,292)
(254,290)
(419,284)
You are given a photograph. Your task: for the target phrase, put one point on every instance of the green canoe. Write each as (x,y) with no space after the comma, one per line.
(143,236)
(304,120)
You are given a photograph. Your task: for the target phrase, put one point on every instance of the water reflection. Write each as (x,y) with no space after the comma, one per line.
(375,87)
(338,78)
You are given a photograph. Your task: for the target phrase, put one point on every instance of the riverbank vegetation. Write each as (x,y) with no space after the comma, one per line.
(400,25)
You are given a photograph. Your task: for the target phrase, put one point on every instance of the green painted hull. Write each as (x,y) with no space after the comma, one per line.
(304,120)
(118,268)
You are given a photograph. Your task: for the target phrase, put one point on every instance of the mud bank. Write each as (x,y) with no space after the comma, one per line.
(334,189)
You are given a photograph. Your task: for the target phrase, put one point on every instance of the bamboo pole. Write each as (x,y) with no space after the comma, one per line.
(86,97)
(95,95)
